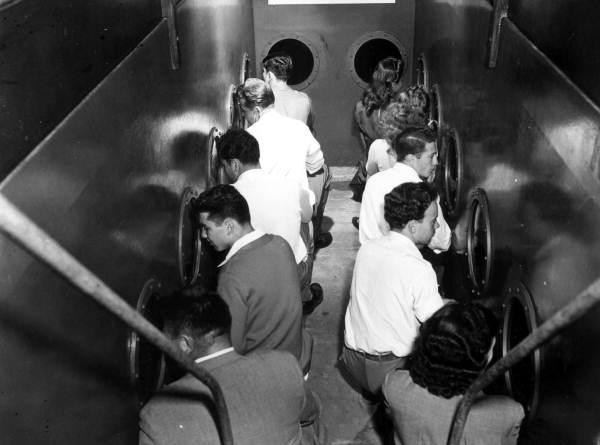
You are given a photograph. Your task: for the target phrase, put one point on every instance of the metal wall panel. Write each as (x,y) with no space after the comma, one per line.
(530,142)
(52,53)
(332,30)
(106,184)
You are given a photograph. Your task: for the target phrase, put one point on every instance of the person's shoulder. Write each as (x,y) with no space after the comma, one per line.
(502,407)
(170,394)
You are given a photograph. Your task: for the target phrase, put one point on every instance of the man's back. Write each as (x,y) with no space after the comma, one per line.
(260,285)
(292,103)
(274,204)
(264,395)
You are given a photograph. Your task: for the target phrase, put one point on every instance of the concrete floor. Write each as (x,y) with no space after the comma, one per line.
(345,414)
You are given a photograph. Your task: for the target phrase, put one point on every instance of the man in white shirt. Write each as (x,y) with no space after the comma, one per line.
(417,155)
(393,288)
(287,147)
(278,205)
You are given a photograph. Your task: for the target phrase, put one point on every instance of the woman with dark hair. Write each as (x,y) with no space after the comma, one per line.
(453,348)
(383,89)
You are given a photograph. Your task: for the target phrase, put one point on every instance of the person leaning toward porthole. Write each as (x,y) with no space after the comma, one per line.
(453,347)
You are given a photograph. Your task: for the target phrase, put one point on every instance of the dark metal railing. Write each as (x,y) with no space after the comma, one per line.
(578,307)
(20,228)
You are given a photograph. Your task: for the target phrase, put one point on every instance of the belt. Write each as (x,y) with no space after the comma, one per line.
(318,172)
(379,357)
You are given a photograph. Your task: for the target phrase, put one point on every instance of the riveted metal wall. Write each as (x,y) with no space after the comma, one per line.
(334,33)
(530,142)
(106,183)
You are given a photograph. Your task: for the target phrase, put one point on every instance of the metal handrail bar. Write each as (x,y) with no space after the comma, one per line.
(572,311)
(26,233)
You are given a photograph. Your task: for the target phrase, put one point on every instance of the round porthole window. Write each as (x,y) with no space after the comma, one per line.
(366,52)
(215,173)
(451,155)
(422,71)
(435,108)
(305,58)
(189,241)
(523,379)
(146,362)
(479,241)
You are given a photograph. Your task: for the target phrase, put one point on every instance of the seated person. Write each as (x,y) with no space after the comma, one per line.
(277,69)
(416,154)
(453,348)
(383,89)
(264,391)
(410,110)
(287,147)
(393,288)
(277,205)
(258,278)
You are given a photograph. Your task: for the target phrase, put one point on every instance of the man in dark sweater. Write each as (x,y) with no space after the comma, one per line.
(258,278)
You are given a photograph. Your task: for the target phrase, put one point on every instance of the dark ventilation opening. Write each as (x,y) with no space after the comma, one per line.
(302,58)
(147,364)
(189,242)
(452,166)
(370,53)
(479,242)
(522,379)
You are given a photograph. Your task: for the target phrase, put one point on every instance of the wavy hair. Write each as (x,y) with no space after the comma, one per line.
(280,65)
(407,202)
(409,110)
(381,90)
(255,93)
(452,348)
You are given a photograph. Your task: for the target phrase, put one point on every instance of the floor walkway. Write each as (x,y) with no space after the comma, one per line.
(345,414)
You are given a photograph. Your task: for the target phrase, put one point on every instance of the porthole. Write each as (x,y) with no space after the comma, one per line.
(146,362)
(305,58)
(244,68)
(189,242)
(215,173)
(435,109)
(235,116)
(479,242)
(523,379)
(366,52)
(422,71)
(451,155)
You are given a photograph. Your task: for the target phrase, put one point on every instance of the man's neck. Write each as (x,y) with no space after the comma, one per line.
(278,83)
(247,167)
(406,232)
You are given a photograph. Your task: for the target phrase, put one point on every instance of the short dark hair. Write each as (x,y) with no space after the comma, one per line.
(255,93)
(412,141)
(195,311)
(407,202)
(280,65)
(220,202)
(452,348)
(238,144)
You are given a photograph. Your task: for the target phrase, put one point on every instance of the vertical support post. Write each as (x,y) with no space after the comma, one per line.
(500,13)
(169,13)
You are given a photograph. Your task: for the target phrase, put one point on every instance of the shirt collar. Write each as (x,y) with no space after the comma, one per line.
(213,355)
(401,166)
(241,242)
(250,174)
(399,238)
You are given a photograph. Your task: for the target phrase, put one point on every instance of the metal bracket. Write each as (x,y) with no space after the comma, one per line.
(168,13)
(500,12)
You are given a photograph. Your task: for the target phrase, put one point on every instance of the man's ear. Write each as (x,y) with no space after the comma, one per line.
(185,343)
(412,226)
(229,225)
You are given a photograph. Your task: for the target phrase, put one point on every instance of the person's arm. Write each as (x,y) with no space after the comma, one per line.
(306,208)
(314,154)
(426,298)
(235,296)
(371,210)
(440,242)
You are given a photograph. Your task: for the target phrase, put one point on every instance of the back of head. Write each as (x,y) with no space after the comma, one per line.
(381,90)
(255,93)
(238,144)
(409,110)
(412,141)
(407,202)
(280,65)
(221,202)
(452,348)
(195,312)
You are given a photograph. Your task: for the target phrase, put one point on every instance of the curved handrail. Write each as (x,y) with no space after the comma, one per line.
(578,307)
(25,232)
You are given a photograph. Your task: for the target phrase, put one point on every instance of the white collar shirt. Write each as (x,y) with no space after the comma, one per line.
(372,221)
(287,147)
(213,355)
(291,103)
(241,242)
(274,204)
(393,291)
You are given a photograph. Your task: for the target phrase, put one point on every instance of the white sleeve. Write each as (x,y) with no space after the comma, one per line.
(427,299)
(314,154)
(370,213)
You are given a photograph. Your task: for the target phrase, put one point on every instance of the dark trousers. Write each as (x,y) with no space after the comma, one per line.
(369,373)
